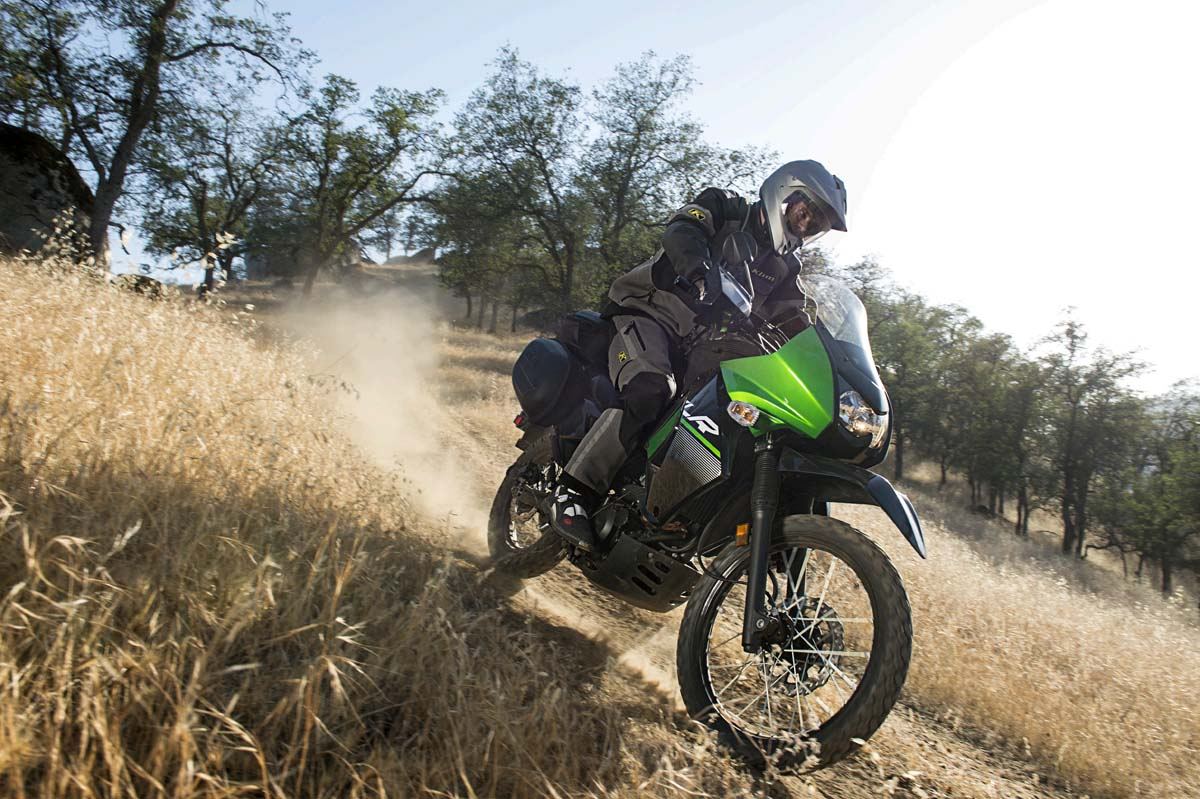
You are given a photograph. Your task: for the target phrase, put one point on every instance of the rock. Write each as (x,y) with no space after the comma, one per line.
(38,184)
(140,284)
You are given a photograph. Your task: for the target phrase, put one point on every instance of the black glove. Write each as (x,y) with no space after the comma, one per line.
(689,279)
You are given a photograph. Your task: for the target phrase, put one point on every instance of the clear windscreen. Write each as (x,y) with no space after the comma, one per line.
(735,293)
(844,316)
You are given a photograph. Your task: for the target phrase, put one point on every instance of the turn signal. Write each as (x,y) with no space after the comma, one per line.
(743,413)
(743,535)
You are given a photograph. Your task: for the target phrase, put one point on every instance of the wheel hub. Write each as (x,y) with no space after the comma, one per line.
(524,507)
(810,634)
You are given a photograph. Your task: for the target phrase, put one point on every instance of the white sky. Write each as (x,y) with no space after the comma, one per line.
(1012,156)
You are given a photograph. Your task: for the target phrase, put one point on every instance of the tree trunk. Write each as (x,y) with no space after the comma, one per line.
(482,308)
(945,467)
(311,277)
(1068,540)
(467,316)
(1166,575)
(1068,520)
(143,101)
(898,473)
(569,281)
(1023,510)
(1080,519)
(210,280)
(225,259)
(513,327)
(495,312)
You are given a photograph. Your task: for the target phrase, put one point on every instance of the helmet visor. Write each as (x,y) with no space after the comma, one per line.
(805,218)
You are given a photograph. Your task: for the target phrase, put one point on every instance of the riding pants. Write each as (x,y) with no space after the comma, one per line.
(639,363)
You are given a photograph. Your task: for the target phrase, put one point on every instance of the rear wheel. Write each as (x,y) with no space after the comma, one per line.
(519,536)
(835,656)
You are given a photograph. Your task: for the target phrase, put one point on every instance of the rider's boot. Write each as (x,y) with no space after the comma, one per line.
(570,516)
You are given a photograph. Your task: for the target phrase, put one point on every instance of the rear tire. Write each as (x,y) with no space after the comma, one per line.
(508,553)
(877,689)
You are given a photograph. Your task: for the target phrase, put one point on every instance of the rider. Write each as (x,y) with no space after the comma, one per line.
(654,308)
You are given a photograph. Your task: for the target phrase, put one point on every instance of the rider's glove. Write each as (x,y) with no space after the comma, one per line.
(711,287)
(702,281)
(696,270)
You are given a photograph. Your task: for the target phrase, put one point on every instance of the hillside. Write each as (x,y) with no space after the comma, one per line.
(251,562)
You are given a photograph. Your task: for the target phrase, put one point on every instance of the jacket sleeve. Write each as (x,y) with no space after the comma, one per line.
(690,231)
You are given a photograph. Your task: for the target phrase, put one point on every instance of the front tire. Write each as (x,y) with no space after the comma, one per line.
(842,679)
(520,540)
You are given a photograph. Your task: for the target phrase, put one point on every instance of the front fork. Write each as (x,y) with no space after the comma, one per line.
(764,502)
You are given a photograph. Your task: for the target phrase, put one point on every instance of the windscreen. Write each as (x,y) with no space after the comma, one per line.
(735,293)
(843,315)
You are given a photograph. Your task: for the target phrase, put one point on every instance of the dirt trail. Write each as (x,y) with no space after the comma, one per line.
(454,441)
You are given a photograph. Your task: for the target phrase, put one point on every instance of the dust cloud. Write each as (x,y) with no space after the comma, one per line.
(380,351)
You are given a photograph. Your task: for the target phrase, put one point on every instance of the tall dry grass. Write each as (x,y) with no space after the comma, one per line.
(1101,689)
(205,590)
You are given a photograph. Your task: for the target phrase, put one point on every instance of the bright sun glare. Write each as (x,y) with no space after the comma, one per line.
(1055,164)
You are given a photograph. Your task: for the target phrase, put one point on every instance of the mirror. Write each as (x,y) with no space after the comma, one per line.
(739,248)
(738,251)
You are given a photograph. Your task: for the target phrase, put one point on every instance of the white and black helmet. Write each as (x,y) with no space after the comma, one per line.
(801,202)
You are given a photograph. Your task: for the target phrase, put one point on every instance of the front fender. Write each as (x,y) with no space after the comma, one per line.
(834,481)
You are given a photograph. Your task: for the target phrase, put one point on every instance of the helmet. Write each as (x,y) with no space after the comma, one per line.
(801,202)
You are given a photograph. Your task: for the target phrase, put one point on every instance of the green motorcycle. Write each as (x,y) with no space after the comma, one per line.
(797,634)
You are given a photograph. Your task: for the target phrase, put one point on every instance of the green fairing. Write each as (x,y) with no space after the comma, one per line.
(793,387)
(660,436)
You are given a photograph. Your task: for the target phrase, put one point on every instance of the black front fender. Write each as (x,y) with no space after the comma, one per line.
(834,481)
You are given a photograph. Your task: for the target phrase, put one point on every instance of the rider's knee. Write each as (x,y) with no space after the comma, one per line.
(647,395)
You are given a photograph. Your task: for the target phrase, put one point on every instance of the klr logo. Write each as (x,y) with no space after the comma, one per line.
(703,423)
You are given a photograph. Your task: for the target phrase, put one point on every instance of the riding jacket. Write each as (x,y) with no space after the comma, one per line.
(692,241)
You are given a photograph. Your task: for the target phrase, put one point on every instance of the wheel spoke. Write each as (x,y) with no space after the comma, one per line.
(766,675)
(740,672)
(824,589)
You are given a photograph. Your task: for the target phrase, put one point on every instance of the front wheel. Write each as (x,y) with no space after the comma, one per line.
(520,540)
(832,665)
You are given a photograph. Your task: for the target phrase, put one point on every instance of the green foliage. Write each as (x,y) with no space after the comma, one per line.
(204,167)
(92,77)
(1060,430)
(343,168)
(1151,503)
(592,180)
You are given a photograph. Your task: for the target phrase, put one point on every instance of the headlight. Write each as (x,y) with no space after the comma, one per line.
(860,418)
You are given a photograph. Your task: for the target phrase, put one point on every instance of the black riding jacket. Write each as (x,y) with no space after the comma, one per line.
(693,239)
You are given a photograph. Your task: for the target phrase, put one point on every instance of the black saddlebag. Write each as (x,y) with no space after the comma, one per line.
(587,334)
(549,381)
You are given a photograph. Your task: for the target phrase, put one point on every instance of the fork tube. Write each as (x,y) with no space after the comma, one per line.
(764,500)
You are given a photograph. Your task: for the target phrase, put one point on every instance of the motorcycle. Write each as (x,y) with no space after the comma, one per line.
(797,634)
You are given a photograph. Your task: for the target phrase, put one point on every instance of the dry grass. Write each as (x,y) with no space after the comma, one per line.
(1102,690)
(207,591)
